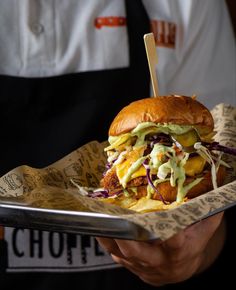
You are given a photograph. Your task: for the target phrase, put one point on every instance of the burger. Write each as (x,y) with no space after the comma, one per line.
(160,154)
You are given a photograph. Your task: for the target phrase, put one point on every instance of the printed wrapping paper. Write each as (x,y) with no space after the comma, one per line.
(51,187)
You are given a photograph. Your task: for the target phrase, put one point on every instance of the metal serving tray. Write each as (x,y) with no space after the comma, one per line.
(14,214)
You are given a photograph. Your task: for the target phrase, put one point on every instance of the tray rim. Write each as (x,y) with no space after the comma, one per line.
(15,214)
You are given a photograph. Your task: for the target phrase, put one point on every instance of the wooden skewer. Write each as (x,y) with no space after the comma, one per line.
(152,60)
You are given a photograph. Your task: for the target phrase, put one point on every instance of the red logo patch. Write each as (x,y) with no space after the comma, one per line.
(164,33)
(111,21)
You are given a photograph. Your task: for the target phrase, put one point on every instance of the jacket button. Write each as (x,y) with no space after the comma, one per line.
(37,28)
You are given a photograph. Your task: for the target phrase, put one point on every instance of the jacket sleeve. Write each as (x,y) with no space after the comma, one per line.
(203,60)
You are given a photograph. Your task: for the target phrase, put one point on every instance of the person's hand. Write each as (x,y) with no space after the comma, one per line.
(177,259)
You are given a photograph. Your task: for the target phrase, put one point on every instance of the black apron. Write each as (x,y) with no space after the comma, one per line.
(43,119)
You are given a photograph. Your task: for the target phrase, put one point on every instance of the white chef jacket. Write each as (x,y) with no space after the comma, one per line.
(195,43)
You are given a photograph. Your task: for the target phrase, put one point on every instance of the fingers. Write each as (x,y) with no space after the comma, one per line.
(149,276)
(159,275)
(212,223)
(201,230)
(110,246)
(158,263)
(145,253)
(138,256)
(175,249)
(204,230)
(176,242)
(208,225)
(135,267)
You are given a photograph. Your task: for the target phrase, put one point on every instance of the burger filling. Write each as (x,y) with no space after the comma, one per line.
(141,161)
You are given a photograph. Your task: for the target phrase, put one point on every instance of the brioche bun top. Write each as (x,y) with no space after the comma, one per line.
(172,109)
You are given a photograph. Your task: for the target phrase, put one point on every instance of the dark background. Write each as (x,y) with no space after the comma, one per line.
(232,10)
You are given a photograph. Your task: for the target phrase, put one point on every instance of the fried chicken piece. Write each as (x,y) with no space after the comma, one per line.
(110,181)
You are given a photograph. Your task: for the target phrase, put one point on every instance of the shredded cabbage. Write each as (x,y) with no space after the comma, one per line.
(205,153)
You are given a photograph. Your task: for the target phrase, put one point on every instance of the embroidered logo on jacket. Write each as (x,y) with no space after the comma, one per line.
(110,21)
(164,33)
